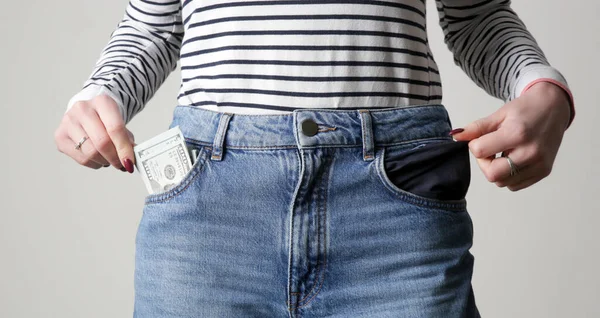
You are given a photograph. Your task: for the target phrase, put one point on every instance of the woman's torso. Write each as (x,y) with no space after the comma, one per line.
(265,57)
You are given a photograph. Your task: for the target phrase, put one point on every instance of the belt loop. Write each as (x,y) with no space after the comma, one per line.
(217,150)
(448,120)
(367,134)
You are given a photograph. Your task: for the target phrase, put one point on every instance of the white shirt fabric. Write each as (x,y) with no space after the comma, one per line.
(272,56)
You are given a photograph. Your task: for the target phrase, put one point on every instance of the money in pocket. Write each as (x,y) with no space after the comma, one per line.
(164,160)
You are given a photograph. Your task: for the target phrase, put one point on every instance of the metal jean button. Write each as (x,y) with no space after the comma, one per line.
(309,127)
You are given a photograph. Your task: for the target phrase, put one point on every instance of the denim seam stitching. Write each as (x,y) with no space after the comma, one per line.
(322,267)
(364,126)
(184,185)
(300,155)
(206,144)
(407,142)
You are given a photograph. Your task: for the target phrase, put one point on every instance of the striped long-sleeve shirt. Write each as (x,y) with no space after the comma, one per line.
(274,56)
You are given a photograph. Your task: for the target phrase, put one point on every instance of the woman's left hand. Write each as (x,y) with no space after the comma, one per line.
(528,129)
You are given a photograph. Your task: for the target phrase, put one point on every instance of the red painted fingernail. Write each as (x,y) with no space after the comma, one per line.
(456,131)
(128,165)
(123,169)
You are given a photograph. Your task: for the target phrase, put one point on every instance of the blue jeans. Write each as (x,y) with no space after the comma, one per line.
(316,213)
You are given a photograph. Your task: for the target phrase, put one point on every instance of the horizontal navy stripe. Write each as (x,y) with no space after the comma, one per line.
(305,48)
(290,18)
(308,32)
(279,108)
(395,5)
(315,79)
(311,63)
(303,94)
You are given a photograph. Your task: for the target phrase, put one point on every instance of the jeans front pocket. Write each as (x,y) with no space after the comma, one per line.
(189,178)
(434,172)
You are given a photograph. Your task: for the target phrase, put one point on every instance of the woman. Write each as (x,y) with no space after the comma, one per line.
(329,181)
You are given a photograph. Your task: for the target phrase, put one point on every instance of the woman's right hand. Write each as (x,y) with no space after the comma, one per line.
(108,142)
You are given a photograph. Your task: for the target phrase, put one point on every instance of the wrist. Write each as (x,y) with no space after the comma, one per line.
(559,95)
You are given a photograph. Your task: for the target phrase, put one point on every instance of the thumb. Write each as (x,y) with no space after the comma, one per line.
(132,141)
(131,137)
(109,113)
(481,126)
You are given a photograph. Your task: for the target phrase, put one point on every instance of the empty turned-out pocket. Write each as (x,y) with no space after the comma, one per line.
(436,170)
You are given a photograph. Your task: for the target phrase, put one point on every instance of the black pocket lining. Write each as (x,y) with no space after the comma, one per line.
(455,204)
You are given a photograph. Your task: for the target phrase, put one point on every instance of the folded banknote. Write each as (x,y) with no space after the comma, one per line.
(163,161)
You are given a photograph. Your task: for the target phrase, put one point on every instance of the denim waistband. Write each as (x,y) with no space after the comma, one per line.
(309,128)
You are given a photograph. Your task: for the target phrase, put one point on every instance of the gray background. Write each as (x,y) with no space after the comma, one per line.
(67,232)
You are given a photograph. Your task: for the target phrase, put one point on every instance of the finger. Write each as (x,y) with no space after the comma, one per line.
(523,174)
(96,131)
(484,164)
(76,133)
(67,146)
(498,169)
(481,126)
(492,143)
(524,160)
(524,184)
(121,137)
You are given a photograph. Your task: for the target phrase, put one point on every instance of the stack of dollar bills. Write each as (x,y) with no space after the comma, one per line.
(164,160)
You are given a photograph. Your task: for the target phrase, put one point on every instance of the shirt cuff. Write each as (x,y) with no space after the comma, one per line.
(92,91)
(544,73)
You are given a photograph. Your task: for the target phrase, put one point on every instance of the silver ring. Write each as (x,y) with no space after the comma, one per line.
(513,167)
(78,145)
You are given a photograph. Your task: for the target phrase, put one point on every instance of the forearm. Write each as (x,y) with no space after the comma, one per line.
(141,52)
(495,49)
